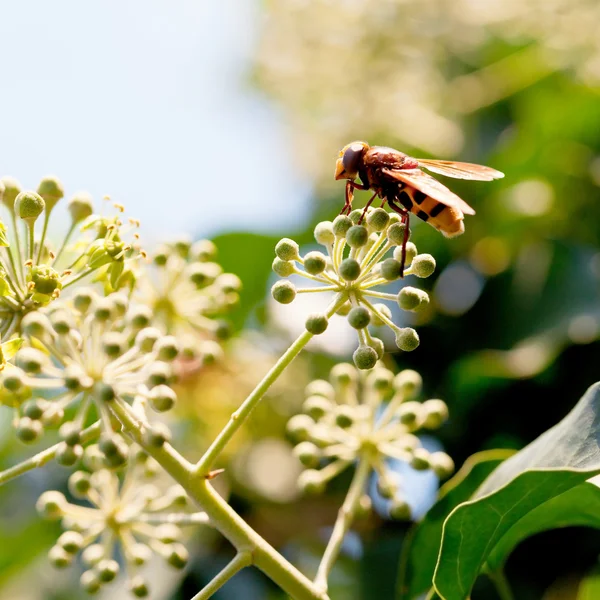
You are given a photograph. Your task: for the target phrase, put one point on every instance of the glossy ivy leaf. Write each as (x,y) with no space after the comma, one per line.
(522,496)
(422,544)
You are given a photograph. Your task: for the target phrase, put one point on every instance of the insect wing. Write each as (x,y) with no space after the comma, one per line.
(430,186)
(460,170)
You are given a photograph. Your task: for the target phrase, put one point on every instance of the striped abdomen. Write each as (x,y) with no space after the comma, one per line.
(446,219)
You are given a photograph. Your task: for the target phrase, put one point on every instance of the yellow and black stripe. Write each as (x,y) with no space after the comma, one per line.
(446,219)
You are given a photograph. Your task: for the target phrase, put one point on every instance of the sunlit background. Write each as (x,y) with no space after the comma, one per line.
(224,119)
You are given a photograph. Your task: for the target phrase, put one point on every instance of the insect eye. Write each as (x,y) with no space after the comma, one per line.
(351,157)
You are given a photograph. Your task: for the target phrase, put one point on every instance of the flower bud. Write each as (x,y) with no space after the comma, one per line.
(14,381)
(138,586)
(51,190)
(400,510)
(315,263)
(324,233)
(436,413)
(407,339)
(320,387)
(359,317)
(162,398)
(83,299)
(299,426)
(71,542)
(410,298)
(93,554)
(441,464)
(12,188)
(107,570)
(79,484)
(350,269)
(90,582)
(343,375)
(382,309)
(203,251)
(70,433)
(139,317)
(409,383)
(410,414)
(365,357)
(283,292)
(395,233)
(29,206)
(167,348)
(356,215)
(287,249)
(357,236)
(59,558)
(387,487)
(159,373)
(308,454)
(146,338)
(378,346)
(345,416)
(378,219)
(341,225)
(420,459)
(34,409)
(316,323)
(381,380)
(51,505)
(80,207)
(344,309)
(178,556)
(157,435)
(140,554)
(283,268)
(311,482)
(391,269)
(229,283)
(423,265)
(317,406)
(28,430)
(411,252)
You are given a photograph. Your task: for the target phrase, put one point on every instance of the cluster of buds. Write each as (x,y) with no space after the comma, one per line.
(83,355)
(354,274)
(32,273)
(369,416)
(189,294)
(132,520)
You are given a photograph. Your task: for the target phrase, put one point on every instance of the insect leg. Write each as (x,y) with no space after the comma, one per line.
(349,197)
(404,214)
(367,208)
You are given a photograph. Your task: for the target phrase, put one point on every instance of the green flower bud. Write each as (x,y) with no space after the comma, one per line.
(420,459)
(308,454)
(316,323)
(178,556)
(157,435)
(408,383)
(345,416)
(138,587)
(167,348)
(67,455)
(210,352)
(139,317)
(378,219)
(359,317)
(343,375)
(436,413)
(365,357)
(391,269)
(423,265)
(441,464)
(395,233)
(70,433)
(223,331)
(287,249)
(140,554)
(203,251)
(311,482)
(350,269)
(168,533)
(387,487)
(107,570)
(320,387)
(14,381)
(382,309)
(182,245)
(53,416)
(12,188)
(411,252)
(83,299)
(93,554)
(159,373)
(146,338)
(105,392)
(378,346)
(93,458)
(229,283)
(79,484)
(162,398)
(324,233)
(317,406)
(410,298)
(410,414)
(400,510)
(344,309)
(203,274)
(299,427)
(29,206)
(34,409)
(357,236)
(161,256)
(71,542)
(51,505)
(89,582)
(59,558)
(381,380)
(283,268)
(341,225)
(283,292)
(80,207)
(37,325)
(62,322)
(315,263)
(356,215)
(112,445)
(407,339)
(408,442)
(28,430)
(51,190)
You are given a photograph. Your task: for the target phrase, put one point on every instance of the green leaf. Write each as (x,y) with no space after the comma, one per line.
(10,348)
(589,588)
(499,516)
(421,546)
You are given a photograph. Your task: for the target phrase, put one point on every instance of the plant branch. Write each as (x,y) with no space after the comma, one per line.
(502,585)
(239,562)
(241,414)
(343,522)
(221,515)
(40,459)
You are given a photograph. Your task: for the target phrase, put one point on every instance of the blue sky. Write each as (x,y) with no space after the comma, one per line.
(147,101)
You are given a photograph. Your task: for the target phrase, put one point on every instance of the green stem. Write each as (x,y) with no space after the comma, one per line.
(241,414)
(20,261)
(84,274)
(343,522)
(44,230)
(65,241)
(221,515)
(30,238)
(502,585)
(241,560)
(40,459)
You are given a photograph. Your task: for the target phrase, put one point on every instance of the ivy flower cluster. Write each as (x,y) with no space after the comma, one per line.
(130,519)
(370,417)
(189,294)
(354,266)
(82,356)
(32,273)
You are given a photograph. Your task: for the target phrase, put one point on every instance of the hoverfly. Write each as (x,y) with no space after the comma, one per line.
(398,179)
